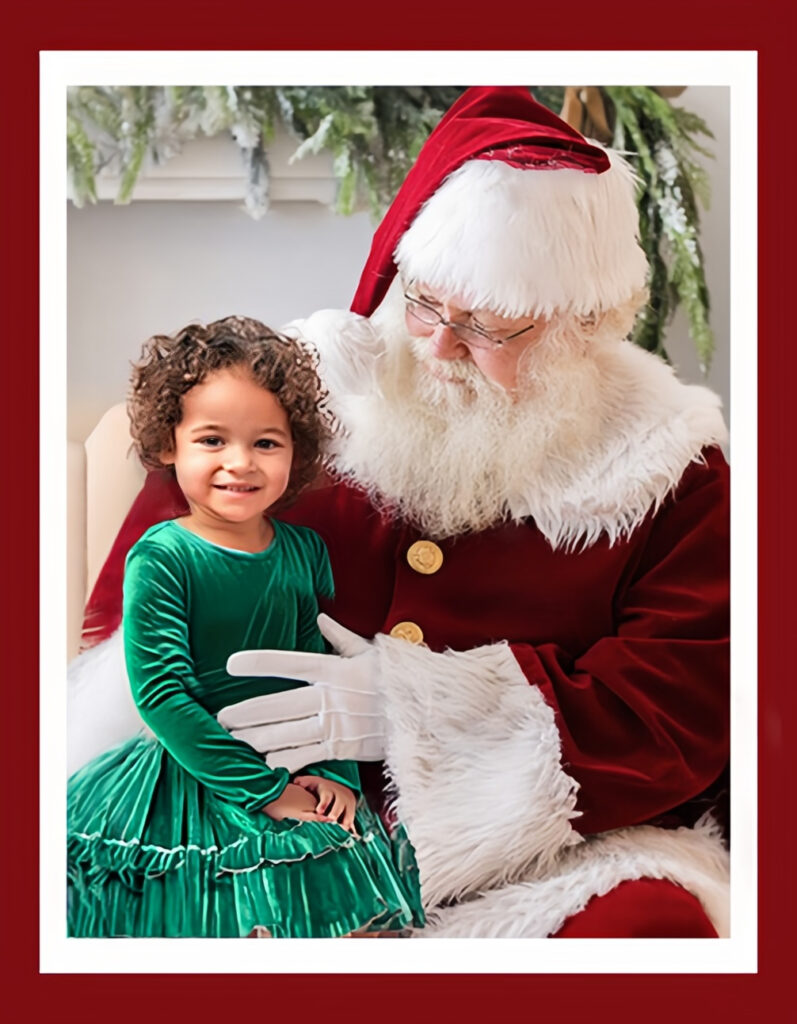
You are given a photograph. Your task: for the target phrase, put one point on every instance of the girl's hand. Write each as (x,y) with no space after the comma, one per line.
(294,802)
(335,800)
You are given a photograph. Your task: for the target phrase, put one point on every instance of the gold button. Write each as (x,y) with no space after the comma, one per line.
(425,556)
(409,631)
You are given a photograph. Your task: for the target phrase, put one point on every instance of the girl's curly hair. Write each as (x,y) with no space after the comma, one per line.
(171,365)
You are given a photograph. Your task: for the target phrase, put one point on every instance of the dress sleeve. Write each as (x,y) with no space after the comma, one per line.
(322,573)
(643,715)
(345,772)
(161,672)
(159,499)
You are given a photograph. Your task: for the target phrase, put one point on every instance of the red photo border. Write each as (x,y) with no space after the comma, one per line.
(694,25)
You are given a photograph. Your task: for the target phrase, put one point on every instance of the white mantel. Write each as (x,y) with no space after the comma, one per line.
(214,170)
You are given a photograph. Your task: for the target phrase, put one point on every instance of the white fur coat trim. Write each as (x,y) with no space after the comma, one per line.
(695,859)
(652,427)
(645,430)
(474,755)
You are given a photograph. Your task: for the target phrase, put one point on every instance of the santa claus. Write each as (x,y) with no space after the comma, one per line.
(527,519)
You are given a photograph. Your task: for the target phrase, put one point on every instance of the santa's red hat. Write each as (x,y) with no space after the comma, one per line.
(509,208)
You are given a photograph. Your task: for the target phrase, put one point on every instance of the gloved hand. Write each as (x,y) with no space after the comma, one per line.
(338,717)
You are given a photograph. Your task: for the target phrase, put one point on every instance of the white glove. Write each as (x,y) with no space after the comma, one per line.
(339,717)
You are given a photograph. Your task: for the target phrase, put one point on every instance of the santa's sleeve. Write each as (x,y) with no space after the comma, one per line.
(349,348)
(643,715)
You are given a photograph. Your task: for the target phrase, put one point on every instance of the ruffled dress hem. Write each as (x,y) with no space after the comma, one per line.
(225,871)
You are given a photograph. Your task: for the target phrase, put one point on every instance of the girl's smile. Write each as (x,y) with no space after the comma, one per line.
(236,488)
(232,456)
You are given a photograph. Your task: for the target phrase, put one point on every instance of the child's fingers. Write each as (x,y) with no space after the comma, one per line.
(306,781)
(325,797)
(338,807)
(348,817)
(348,820)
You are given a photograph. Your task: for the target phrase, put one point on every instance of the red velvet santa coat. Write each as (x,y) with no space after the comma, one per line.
(628,643)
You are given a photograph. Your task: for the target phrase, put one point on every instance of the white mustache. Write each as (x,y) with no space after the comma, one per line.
(444,381)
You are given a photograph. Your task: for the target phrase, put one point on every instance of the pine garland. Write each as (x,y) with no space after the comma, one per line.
(661,141)
(375,133)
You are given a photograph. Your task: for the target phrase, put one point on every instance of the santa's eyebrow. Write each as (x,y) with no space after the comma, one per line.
(428,299)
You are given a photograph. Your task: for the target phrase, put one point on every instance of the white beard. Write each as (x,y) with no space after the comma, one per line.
(452,456)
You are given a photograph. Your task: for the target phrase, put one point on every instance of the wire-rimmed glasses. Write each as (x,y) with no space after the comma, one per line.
(472,336)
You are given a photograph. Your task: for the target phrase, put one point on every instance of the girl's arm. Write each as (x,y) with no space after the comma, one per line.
(162,679)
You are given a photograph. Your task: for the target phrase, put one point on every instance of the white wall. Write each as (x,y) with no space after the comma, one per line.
(153,266)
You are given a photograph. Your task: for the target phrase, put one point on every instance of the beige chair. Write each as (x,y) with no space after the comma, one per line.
(103,478)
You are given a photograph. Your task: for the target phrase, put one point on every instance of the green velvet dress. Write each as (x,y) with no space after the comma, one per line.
(165,832)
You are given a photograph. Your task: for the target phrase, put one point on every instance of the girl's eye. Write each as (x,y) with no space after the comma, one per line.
(265,443)
(211,442)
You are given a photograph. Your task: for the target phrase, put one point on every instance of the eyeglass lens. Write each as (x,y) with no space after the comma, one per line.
(428,315)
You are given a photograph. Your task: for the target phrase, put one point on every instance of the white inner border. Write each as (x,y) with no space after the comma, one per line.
(735,69)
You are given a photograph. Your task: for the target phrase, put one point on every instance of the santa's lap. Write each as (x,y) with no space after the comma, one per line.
(647,908)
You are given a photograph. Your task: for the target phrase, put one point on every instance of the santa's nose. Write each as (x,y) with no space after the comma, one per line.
(446,345)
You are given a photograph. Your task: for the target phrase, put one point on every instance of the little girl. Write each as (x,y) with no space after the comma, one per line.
(188,832)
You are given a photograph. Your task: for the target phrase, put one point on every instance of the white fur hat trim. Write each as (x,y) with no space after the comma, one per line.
(530,241)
